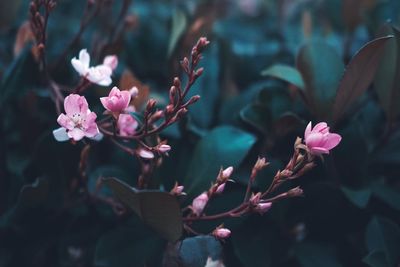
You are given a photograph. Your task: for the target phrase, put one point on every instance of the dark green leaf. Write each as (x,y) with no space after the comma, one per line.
(388,74)
(384,235)
(376,258)
(129,244)
(358,75)
(194,251)
(256,115)
(179,24)
(387,194)
(159,210)
(321,79)
(359,198)
(286,73)
(312,254)
(222,147)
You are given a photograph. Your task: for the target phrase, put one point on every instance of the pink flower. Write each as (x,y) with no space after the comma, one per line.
(222,233)
(263,207)
(117,100)
(164,148)
(146,154)
(319,140)
(111,61)
(127,125)
(78,122)
(100,74)
(199,203)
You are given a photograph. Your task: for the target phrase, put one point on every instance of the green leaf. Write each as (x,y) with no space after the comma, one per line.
(387,194)
(129,244)
(179,25)
(194,251)
(388,74)
(285,73)
(376,258)
(321,69)
(358,76)
(312,254)
(359,198)
(21,73)
(159,210)
(384,235)
(256,115)
(222,147)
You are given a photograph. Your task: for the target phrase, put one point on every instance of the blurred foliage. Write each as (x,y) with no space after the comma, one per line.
(272,66)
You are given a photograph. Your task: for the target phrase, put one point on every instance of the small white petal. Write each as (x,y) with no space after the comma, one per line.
(60,134)
(97,137)
(84,57)
(78,66)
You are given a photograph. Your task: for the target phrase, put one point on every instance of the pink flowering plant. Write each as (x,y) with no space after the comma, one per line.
(129,138)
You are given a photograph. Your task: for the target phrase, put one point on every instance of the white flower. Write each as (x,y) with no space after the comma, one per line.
(100,74)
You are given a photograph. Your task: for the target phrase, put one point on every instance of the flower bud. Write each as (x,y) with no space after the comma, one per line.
(199,72)
(263,207)
(261,163)
(164,148)
(220,188)
(134,91)
(177,190)
(295,192)
(255,199)
(177,82)
(151,104)
(224,175)
(221,233)
(156,116)
(199,203)
(193,99)
(146,154)
(185,64)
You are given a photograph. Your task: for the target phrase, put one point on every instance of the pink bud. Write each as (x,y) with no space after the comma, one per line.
(146,154)
(199,203)
(263,207)
(220,189)
(255,199)
(222,233)
(164,148)
(227,172)
(134,91)
(177,190)
(111,61)
(319,140)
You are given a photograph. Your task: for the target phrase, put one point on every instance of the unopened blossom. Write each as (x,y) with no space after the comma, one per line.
(263,207)
(178,190)
(117,101)
(319,140)
(199,203)
(220,189)
(127,125)
(146,154)
(100,74)
(225,174)
(78,121)
(164,148)
(134,92)
(222,233)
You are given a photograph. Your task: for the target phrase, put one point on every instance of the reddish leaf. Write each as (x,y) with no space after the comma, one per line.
(358,75)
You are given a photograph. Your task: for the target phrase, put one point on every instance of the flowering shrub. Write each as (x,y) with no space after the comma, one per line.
(210,134)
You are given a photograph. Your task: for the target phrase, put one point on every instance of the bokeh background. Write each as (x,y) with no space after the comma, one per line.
(349,215)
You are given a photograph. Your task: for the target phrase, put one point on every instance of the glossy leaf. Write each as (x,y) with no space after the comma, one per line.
(159,210)
(358,76)
(384,235)
(321,68)
(359,198)
(179,24)
(195,251)
(388,74)
(376,258)
(312,254)
(222,147)
(285,73)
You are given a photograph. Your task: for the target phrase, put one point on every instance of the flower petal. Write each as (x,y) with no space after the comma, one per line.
(78,66)
(315,140)
(60,134)
(65,121)
(74,104)
(319,150)
(84,58)
(321,127)
(98,137)
(308,130)
(332,140)
(76,134)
